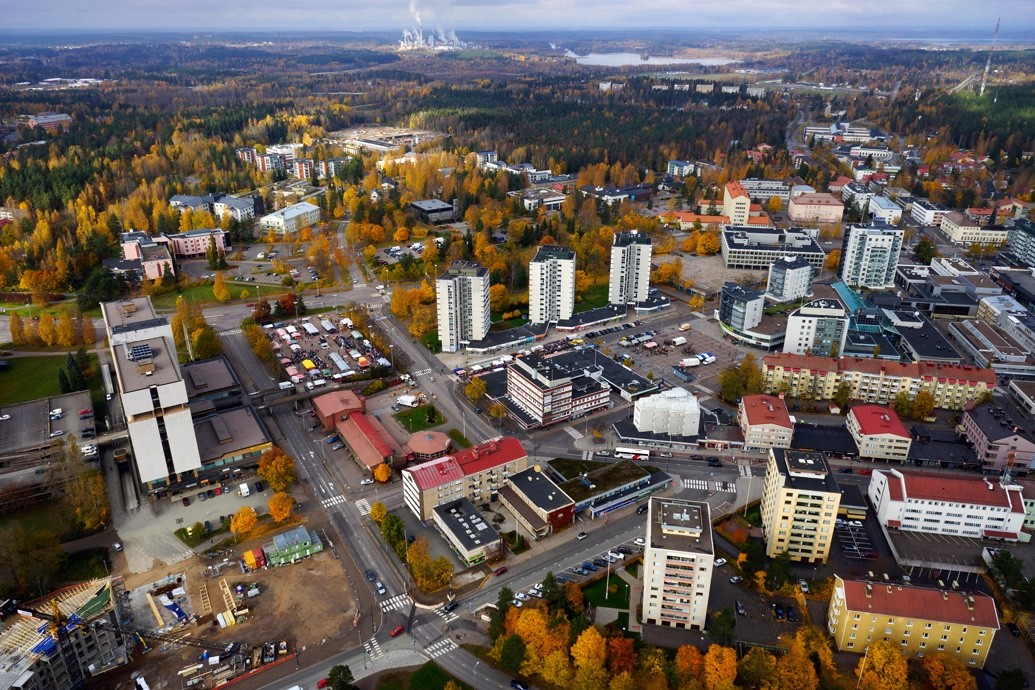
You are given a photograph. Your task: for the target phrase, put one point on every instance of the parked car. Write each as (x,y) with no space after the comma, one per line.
(792,615)
(337,446)
(521,596)
(118,547)
(642,509)
(367,482)
(322,683)
(640,541)
(259,487)
(380,587)
(736,580)
(1014,630)
(720,562)
(186,501)
(582,535)
(202,496)
(590,567)
(624,550)
(518,685)
(804,586)
(779,612)
(397,630)
(500,570)
(741,611)
(600,562)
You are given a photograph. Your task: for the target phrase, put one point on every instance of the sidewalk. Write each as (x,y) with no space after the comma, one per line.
(635,597)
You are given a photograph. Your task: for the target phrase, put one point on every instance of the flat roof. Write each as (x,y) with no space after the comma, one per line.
(431,205)
(548,252)
(824,439)
(927,342)
(30,426)
(130,314)
(540,490)
(920,603)
(466,524)
(205,376)
(805,471)
(628,237)
(227,432)
(766,409)
(138,372)
(680,525)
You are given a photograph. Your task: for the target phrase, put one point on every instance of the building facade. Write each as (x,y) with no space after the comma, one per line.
(551,285)
(756,248)
(291,218)
(678,563)
(878,433)
(916,620)
(630,268)
(998,442)
(870,255)
(1020,239)
(765,422)
(674,411)
(790,279)
(975,507)
(927,212)
(462,300)
(545,391)
(815,208)
(800,500)
(736,203)
(819,327)
(885,210)
(740,308)
(764,190)
(465,530)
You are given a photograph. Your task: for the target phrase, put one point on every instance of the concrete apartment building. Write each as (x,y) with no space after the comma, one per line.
(544,391)
(677,563)
(818,327)
(462,300)
(764,190)
(1020,239)
(927,212)
(736,203)
(998,440)
(800,500)
(291,218)
(630,268)
(875,380)
(551,285)
(674,411)
(815,208)
(884,210)
(740,308)
(472,539)
(194,244)
(476,473)
(878,433)
(870,255)
(961,229)
(756,248)
(151,260)
(153,393)
(916,620)
(790,279)
(965,506)
(765,422)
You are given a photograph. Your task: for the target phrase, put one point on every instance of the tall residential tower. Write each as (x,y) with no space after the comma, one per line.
(462,295)
(630,268)
(551,285)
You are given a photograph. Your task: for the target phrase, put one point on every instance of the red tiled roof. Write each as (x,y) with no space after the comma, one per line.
(736,189)
(878,419)
(338,402)
(766,409)
(952,489)
(364,440)
(432,473)
(998,534)
(759,220)
(494,453)
(920,603)
(869,365)
(428,442)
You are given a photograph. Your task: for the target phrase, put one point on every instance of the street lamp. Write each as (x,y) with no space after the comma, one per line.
(391,353)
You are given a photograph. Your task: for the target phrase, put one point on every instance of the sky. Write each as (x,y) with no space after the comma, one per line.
(954,17)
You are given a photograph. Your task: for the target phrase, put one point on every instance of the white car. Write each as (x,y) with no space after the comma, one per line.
(640,541)
(55,434)
(522,596)
(4,417)
(804,586)
(516,603)
(367,482)
(720,562)
(855,523)
(536,593)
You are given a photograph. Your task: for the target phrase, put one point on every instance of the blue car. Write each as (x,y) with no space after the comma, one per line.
(589,566)
(332,440)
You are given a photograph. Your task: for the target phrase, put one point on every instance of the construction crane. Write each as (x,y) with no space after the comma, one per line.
(988,62)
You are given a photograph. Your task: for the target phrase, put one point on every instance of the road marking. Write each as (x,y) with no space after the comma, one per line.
(701,484)
(399,601)
(422,372)
(573,432)
(333,501)
(363,506)
(745,470)
(373,648)
(443,646)
(231,331)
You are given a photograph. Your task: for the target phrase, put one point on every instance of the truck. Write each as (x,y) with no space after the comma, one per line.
(684,327)
(243,490)
(677,341)
(706,358)
(690,362)
(286,385)
(407,400)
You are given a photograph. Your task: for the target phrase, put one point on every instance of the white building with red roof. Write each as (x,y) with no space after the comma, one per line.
(476,473)
(879,433)
(915,620)
(976,507)
(765,422)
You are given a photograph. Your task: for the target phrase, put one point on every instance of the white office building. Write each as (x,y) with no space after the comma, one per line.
(152,391)
(790,279)
(551,285)
(764,190)
(675,411)
(819,327)
(927,212)
(630,268)
(291,218)
(885,210)
(677,563)
(462,298)
(870,254)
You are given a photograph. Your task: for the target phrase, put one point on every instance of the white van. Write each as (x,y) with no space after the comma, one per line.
(243,490)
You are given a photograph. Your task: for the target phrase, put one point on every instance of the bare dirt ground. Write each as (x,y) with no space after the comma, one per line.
(307,604)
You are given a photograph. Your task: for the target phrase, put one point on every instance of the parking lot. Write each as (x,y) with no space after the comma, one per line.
(854,540)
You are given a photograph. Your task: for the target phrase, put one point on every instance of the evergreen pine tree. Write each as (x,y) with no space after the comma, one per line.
(63,382)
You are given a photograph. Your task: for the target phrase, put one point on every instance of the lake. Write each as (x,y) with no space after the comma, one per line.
(632,59)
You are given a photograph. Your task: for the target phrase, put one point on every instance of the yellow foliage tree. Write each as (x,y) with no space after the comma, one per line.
(280,506)
(695,302)
(475,389)
(882,668)
(590,650)
(423,321)
(688,662)
(947,672)
(401,235)
(382,473)
(87,333)
(774,204)
(378,512)
(499,297)
(17,330)
(708,243)
(220,290)
(556,669)
(67,334)
(277,469)
(243,521)
(46,330)
(794,670)
(720,668)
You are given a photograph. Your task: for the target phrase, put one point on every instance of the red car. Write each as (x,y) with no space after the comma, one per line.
(397,630)
(500,570)
(322,683)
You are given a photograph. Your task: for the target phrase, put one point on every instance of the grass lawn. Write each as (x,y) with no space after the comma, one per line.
(84,565)
(29,378)
(594,296)
(47,516)
(458,438)
(569,467)
(498,326)
(201,535)
(618,595)
(431,341)
(430,676)
(202,294)
(416,419)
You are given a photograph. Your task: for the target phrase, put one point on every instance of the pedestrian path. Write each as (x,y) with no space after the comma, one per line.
(333,501)
(573,432)
(363,506)
(443,646)
(373,648)
(422,372)
(710,485)
(399,601)
(231,331)
(701,484)
(447,617)
(745,470)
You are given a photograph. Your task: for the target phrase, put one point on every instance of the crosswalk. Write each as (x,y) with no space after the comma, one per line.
(745,470)
(443,646)
(573,432)
(710,485)
(372,648)
(333,501)
(422,372)
(363,506)
(447,617)
(231,331)
(702,484)
(399,601)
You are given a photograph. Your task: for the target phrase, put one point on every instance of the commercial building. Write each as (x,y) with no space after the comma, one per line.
(551,285)
(965,506)
(150,260)
(765,422)
(800,500)
(476,473)
(999,441)
(153,393)
(434,211)
(30,658)
(756,248)
(228,439)
(544,391)
(1020,239)
(674,411)
(291,218)
(630,268)
(764,190)
(818,327)
(961,229)
(537,503)
(740,308)
(870,255)
(878,433)
(815,208)
(367,441)
(678,563)
(194,244)
(465,530)
(1023,393)
(736,203)
(876,380)
(992,347)
(927,212)
(51,122)
(462,299)
(915,620)
(884,210)
(790,279)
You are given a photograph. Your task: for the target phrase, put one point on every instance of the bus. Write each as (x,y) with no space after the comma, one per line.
(632,453)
